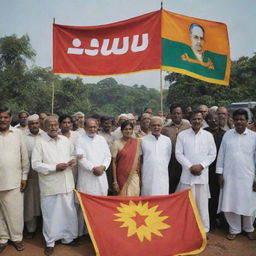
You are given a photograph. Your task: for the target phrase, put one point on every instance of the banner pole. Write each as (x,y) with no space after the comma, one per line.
(161,91)
(52,98)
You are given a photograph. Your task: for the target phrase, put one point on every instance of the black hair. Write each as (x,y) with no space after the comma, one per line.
(126,123)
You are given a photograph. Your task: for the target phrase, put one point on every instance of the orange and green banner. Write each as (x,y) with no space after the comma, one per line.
(157,40)
(144,226)
(195,47)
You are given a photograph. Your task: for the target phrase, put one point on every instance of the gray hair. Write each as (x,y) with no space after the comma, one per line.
(157,118)
(49,118)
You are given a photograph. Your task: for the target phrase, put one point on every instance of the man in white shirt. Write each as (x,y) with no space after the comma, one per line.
(32,207)
(80,116)
(156,153)
(53,158)
(195,151)
(14,168)
(94,158)
(236,167)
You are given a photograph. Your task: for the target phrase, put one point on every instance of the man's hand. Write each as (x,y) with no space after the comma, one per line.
(61,167)
(196,169)
(221,180)
(72,162)
(23,185)
(97,171)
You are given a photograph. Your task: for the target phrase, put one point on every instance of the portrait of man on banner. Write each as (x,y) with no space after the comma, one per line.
(197,37)
(195,47)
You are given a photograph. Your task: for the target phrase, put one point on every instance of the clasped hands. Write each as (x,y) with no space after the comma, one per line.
(196,169)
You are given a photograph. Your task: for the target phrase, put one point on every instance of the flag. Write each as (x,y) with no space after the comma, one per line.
(195,47)
(122,47)
(157,40)
(143,226)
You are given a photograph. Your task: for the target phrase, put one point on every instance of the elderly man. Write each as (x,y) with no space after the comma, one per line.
(172,130)
(144,126)
(224,122)
(195,151)
(52,158)
(23,123)
(80,116)
(32,207)
(204,110)
(236,167)
(117,134)
(156,153)
(14,168)
(94,154)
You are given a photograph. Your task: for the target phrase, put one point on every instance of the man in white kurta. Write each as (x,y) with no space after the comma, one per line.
(156,153)
(32,207)
(236,166)
(52,158)
(14,168)
(95,158)
(195,151)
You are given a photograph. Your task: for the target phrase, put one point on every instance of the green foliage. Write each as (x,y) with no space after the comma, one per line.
(31,88)
(187,91)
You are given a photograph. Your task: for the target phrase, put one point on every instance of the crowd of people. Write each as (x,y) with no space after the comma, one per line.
(43,158)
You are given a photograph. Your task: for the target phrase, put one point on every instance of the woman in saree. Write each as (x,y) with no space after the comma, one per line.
(126,162)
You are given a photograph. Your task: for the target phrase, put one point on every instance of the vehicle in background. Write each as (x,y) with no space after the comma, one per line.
(248,106)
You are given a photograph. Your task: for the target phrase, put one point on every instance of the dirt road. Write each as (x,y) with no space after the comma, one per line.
(218,245)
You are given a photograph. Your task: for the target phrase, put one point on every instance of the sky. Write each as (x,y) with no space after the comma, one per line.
(35,18)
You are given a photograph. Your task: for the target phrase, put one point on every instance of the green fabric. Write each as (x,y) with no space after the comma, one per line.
(171,56)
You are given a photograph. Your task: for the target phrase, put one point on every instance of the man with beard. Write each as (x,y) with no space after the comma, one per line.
(32,207)
(224,122)
(217,132)
(52,158)
(14,168)
(236,168)
(195,151)
(23,123)
(94,159)
(80,120)
(172,130)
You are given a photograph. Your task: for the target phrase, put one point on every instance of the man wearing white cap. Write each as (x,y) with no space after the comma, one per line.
(32,194)
(117,134)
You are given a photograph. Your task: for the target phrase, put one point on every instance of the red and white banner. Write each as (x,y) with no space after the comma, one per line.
(122,47)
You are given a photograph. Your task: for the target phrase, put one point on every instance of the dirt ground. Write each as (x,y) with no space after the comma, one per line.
(217,245)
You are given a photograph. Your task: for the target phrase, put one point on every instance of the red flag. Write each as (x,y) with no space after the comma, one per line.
(143,226)
(122,47)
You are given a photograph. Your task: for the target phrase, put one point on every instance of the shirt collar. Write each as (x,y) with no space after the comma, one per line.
(246,131)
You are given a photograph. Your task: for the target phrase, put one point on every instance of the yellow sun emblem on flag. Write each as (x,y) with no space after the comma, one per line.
(141,220)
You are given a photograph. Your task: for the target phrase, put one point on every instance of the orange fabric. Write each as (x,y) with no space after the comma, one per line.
(150,226)
(125,161)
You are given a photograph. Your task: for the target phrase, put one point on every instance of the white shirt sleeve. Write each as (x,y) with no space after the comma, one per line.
(221,157)
(179,153)
(211,154)
(37,161)
(88,165)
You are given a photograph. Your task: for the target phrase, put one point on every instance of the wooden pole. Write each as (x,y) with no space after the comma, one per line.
(161,91)
(52,98)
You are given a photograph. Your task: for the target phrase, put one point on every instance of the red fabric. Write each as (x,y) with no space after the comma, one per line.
(110,238)
(125,62)
(124,161)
